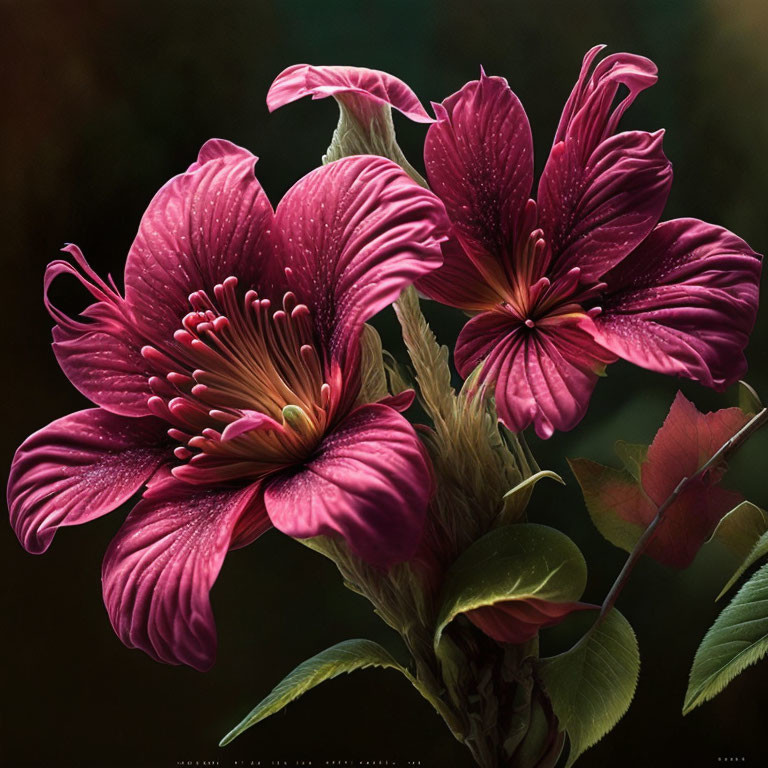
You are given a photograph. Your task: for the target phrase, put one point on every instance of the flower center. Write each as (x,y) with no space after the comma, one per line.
(241,384)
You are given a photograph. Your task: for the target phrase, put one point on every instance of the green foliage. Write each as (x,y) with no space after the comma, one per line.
(515,562)
(594,478)
(372,372)
(346,656)
(758,551)
(738,638)
(366,131)
(749,402)
(516,500)
(591,686)
(741,528)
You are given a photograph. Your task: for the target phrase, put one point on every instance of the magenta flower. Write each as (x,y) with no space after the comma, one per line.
(228,381)
(563,285)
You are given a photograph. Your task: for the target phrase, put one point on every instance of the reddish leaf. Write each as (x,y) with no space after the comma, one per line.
(622,507)
(517,621)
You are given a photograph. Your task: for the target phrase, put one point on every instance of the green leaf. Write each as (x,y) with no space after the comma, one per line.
(591,686)
(516,499)
(515,562)
(594,479)
(346,656)
(741,528)
(749,402)
(738,638)
(757,552)
(632,456)
(373,385)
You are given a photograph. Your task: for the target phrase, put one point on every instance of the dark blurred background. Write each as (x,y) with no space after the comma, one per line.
(103,102)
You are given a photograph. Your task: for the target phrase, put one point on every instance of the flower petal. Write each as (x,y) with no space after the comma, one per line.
(479,159)
(79,468)
(355,233)
(600,194)
(201,227)
(684,303)
(458,282)
(162,563)
(101,357)
(544,377)
(371,85)
(369,482)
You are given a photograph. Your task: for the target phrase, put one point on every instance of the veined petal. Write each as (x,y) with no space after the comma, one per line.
(100,355)
(78,468)
(589,116)
(544,377)
(458,282)
(204,225)
(371,86)
(479,159)
(600,194)
(369,483)
(355,233)
(684,303)
(162,563)
(595,213)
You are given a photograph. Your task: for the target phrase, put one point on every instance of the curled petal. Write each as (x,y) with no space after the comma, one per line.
(589,116)
(100,355)
(369,483)
(544,377)
(355,233)
(365,86)
(479,159)
(78,468)
(162,563)
(684,303)
(201,227)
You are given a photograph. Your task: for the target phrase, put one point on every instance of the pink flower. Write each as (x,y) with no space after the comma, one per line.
(561,286)
(227,380)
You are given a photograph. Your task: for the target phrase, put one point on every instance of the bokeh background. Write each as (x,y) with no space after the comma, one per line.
(104,101)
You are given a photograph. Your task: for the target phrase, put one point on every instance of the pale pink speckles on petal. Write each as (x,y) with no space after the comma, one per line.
(203,225)
(364,88)
(369,483)
(78,468)
(355,233)
(162,563)
(684,303)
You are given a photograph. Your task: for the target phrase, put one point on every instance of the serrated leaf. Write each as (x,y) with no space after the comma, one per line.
(524,562)
(623,503)
(759,551)
(741,528)
(346,656)
(592,685)
(738,638)
(749,402)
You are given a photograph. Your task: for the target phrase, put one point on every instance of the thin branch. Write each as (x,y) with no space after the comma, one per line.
(731,445)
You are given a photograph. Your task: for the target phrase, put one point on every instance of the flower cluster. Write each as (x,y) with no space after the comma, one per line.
(235,381)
